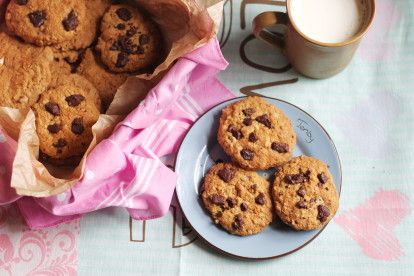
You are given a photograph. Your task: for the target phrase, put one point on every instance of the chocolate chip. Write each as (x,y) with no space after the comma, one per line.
(77,126)
(60,143)
(247,154)
(124,14)
(37,18)
(252,137)
(260,199)
(248,111)
(295,178)
(301,192)
(301,205)
(132,30)
(120,26)
(277,169)
(143,39)
(54,128)
(122,59)
(74,65)
(322,178)
(323,213)
(235,132)
(74,100)
(114,46)
(21,2)
(244,206)
(231,202)
(226,174)
(238,222)
(253,187)
(280,147)
(265,120)
(217,199)
(248,121)
(139,51)
(52,108)
(219,161)
(124,44)
(71,21)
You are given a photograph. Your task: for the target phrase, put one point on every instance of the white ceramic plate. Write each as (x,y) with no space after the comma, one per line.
(200,150)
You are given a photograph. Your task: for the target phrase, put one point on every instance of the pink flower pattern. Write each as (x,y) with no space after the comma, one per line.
(372,224)
(51,251)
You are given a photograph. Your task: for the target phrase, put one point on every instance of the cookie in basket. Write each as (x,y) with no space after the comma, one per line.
(129,41)
(24,72)
(256,134)
(46,22)
(65,115)
(237,199)
(66,62)
(304,193)
(106,82)
(88,28)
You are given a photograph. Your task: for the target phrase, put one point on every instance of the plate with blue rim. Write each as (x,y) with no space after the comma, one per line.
(199,151)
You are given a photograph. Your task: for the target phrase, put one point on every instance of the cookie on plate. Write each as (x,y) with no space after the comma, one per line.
(237,199)
(65,115)
(24,72)
(129,40)
(46,22)
(106,82)
(304,193)
(256,134)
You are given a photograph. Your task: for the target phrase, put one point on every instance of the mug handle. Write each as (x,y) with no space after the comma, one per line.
(266,20)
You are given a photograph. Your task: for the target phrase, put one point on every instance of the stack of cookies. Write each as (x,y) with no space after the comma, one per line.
(259,136)
(65,59)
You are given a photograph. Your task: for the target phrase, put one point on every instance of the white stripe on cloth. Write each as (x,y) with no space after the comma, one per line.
(194,103)
(163,136)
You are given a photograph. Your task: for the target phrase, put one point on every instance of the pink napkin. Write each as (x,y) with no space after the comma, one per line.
(125,170)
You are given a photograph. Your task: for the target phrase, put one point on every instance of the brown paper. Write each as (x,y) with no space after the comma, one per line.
(186,25)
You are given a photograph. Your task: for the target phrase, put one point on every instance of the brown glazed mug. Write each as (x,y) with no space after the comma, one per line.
(312,58)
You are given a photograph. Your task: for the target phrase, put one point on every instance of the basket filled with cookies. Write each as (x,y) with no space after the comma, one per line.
(84,86)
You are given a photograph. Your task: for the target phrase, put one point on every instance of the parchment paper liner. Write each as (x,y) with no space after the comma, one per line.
(186,25)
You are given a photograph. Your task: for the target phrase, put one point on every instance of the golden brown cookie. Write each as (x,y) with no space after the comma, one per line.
(24,72)
(106,82)
(129,40)
(46,22)
(237,199)
(256,134)
(65,62)
(304,193)
(65,115)
(88,28)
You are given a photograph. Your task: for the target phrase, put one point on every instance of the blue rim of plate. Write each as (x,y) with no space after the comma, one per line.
(244,257)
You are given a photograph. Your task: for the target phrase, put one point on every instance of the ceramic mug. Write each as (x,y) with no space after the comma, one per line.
(310,57)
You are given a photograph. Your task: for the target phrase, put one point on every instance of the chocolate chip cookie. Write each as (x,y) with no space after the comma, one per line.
(129,40)
(46,22)
(237,199)
(256,134)
(88,27)
(106,82)
(24,72)
(65,115)
(304,193)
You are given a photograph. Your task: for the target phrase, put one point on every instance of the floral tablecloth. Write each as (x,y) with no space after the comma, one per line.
(368,111)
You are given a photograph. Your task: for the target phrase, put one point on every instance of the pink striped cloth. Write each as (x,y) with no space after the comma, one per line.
(125,170)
